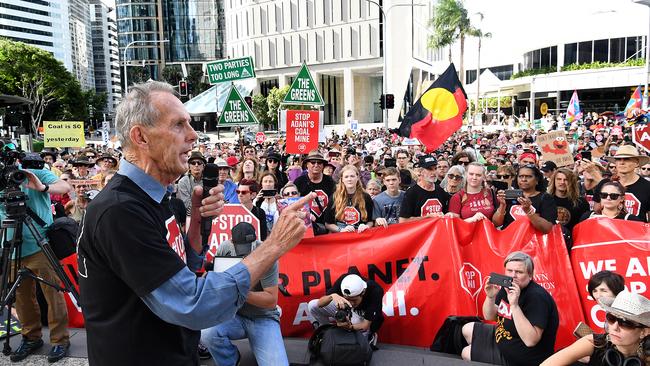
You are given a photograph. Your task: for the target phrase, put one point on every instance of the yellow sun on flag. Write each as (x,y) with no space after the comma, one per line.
(441,103)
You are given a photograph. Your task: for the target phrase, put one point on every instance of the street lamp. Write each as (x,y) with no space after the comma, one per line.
(647,56)
(385,26)
(126,78)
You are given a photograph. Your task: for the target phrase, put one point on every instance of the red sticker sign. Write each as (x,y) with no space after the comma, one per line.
(517,212)
(324,201)
(432,205)
(632,204)
(175,238)
(641,136)
(351,215)
(302,131)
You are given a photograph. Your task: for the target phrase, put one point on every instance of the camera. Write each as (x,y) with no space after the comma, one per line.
(343,315)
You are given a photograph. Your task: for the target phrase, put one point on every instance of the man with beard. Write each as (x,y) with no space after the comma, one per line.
(425,199)
(315,181)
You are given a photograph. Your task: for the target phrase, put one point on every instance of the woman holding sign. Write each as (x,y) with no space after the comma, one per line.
(350,208)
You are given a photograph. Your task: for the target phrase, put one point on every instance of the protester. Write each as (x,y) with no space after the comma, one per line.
(536,205)
(442,169)
(247,189)
(130,278)
(81,168)
(548,168)
(248,169)
(266,199)
(387,204)
(407,175)
(526,319)
(363,296)
(625,343)
(315,181)
(506,174)
(564,188)
(192,179)
(350,207)
(373,188)
(229,188)
(289,190)
(612,203)
(294,169)
(455,179)
(637,189)
(476,201)
(107,163)
(645,171)
(424,199)
(258,319)
(605,284)
(272,164)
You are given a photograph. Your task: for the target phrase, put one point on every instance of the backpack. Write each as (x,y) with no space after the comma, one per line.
(336,346)
(449,338)
(62,234)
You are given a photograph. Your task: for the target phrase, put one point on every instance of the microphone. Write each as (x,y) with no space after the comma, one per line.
(210,180)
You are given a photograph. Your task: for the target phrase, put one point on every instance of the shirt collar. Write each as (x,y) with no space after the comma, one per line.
(147,183)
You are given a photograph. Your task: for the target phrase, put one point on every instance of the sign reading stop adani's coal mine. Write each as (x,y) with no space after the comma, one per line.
(302,131)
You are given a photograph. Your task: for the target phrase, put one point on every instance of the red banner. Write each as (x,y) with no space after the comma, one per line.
(429,269)
(615,245)
(302,131)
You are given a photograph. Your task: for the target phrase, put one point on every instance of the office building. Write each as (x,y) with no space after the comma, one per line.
(106,53)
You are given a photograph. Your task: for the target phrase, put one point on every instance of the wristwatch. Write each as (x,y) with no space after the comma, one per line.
(47,188)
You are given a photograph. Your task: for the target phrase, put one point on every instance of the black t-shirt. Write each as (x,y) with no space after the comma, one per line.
(543,204)
(370,307)
(325,188)
(352,214)
(419,202)
(261,215)
(129,246)
(569,214)
(637,198)
(540,310)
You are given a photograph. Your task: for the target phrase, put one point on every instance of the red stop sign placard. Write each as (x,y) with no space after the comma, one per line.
(260,137)
(222,225)
(641,136)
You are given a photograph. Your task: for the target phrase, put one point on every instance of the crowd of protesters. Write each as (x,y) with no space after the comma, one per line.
(374,178)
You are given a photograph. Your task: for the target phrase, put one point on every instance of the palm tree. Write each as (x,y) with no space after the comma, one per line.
(450,23)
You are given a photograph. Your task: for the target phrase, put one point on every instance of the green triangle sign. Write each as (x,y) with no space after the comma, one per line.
(303,90)
(236,111)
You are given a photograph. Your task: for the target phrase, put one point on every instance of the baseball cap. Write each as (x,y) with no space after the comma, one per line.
(353,285)
(427,161)
(232,161)
(548,166)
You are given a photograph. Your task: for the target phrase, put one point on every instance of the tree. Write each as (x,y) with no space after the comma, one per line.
(172,74)
(274,100)
(451,23)
(196,80)
(35,74)
(261,110)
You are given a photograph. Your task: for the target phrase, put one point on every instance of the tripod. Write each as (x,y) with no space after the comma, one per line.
(12,272)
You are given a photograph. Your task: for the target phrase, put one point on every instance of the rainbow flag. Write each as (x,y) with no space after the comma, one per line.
(636,100)
(573,111)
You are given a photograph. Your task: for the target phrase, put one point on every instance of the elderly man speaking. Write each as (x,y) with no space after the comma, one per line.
(142,304)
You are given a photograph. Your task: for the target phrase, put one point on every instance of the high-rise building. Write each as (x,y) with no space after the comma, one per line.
(82,47)
(106,53)
(41,23)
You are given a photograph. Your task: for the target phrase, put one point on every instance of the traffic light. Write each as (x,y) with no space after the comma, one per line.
(390,101)
(382,102)
(249,101)
(182,88)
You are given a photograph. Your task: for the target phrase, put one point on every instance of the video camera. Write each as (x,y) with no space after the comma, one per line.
(10,176)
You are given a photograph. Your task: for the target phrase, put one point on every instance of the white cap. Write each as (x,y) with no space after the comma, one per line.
(352,285)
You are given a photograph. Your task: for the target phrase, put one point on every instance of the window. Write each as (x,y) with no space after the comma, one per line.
(570,53)
(634,47)
(545,58)
(554,56)
(536,59)
(470,76)
(584,52)
(617,50)
(528,60)
(601,50)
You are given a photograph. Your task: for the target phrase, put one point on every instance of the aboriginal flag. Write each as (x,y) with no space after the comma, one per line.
(438,113)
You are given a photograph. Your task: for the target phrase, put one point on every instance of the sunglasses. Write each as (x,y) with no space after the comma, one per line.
(645,168)
(196,163)
(242,192)
(622,322)
(290,194)
(464,162)
(316,162)
(454,176)
(504,176)
(612,196)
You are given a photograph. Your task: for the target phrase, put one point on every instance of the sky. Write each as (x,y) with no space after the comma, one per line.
(524,25)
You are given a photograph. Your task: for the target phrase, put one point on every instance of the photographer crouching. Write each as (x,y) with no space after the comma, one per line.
(37,186)
(353,304)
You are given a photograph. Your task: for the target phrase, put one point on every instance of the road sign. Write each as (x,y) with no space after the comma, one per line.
(641,136)
(222,225)
(303,90)
(260,137)
(230,70)
(236,111)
